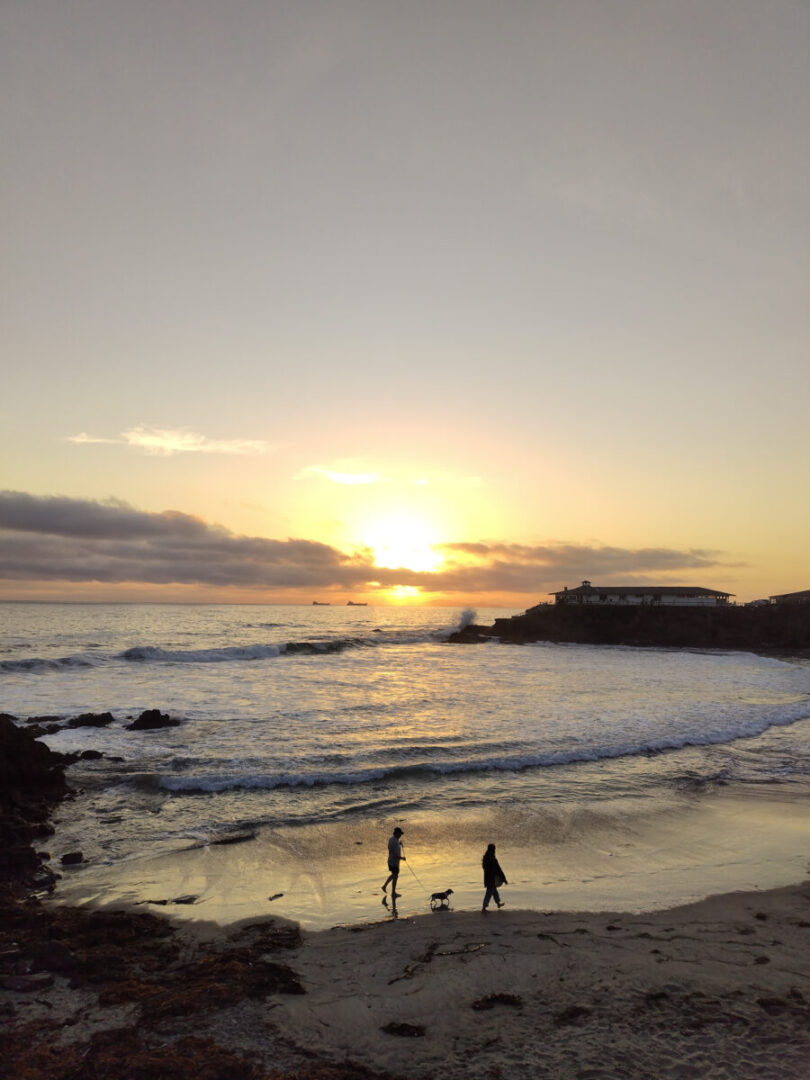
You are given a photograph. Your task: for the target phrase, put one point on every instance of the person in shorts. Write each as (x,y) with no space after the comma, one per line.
(395,856)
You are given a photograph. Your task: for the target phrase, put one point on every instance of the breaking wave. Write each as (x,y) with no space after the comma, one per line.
(152,653)
(146,654)
(41,666)
(227,780)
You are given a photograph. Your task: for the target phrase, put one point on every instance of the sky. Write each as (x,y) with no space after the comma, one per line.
(446,303)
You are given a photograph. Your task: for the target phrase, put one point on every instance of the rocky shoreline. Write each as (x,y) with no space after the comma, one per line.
(92,995)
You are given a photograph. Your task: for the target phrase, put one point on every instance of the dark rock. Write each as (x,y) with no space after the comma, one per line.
(775,629)
(45,879)
(36,731)
(655,997)
(189,899)
(491,1000)
(72,858)
(571,1014)
(91,755)
(27,984)
(150,719)
(10,955)
(49,955)
(32,782)
(471,635)
(91,720)
(773,1006)
(397,1028)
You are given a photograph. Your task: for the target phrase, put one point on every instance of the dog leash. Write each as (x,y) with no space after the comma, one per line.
(413,872)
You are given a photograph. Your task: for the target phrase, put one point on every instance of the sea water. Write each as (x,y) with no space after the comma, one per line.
(608,776)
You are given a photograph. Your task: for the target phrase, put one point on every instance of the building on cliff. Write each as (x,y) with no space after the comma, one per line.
(802,597)
(658,595)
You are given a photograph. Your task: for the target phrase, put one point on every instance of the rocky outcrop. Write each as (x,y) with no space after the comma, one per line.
(151,719)
(774,629)
(32,783)
(91,720)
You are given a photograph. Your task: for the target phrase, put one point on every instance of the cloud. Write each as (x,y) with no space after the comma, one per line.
(596,559)
(84,438)
(521,568)
(61,539)
(55,538)
(168,441)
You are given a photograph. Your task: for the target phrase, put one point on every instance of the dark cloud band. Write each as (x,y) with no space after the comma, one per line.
(54,538)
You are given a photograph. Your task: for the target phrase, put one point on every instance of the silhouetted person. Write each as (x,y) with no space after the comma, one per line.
(494,877)
(394,857)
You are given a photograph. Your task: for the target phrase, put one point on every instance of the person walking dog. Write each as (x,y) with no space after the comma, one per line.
(394,857)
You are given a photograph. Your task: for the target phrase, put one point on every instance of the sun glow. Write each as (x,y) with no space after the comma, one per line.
(403,542)
(403,594)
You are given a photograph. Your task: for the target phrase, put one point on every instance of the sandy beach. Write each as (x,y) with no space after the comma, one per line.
(705,990)
(716,988)
(720,988)
(660,937)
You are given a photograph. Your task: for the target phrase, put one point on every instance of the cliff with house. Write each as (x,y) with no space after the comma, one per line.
(781,627)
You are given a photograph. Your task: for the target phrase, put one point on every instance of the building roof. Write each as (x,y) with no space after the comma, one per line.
(803,594)
(635,590)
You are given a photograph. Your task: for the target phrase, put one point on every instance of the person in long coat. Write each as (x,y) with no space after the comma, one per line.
(494,877)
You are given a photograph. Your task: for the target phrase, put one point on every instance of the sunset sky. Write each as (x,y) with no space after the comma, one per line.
(448,302)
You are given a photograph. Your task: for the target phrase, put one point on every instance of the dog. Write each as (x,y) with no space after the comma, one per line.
(440,901)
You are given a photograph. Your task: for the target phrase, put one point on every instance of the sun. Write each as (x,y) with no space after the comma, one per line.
(403,542)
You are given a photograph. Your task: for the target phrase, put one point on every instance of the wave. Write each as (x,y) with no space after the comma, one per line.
(223,654)
(426,770)
(40,665)
(147,653)
(153,653)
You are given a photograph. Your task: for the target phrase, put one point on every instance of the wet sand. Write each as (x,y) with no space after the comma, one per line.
(623,859)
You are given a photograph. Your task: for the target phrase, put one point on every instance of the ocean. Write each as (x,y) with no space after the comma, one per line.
(610,778)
